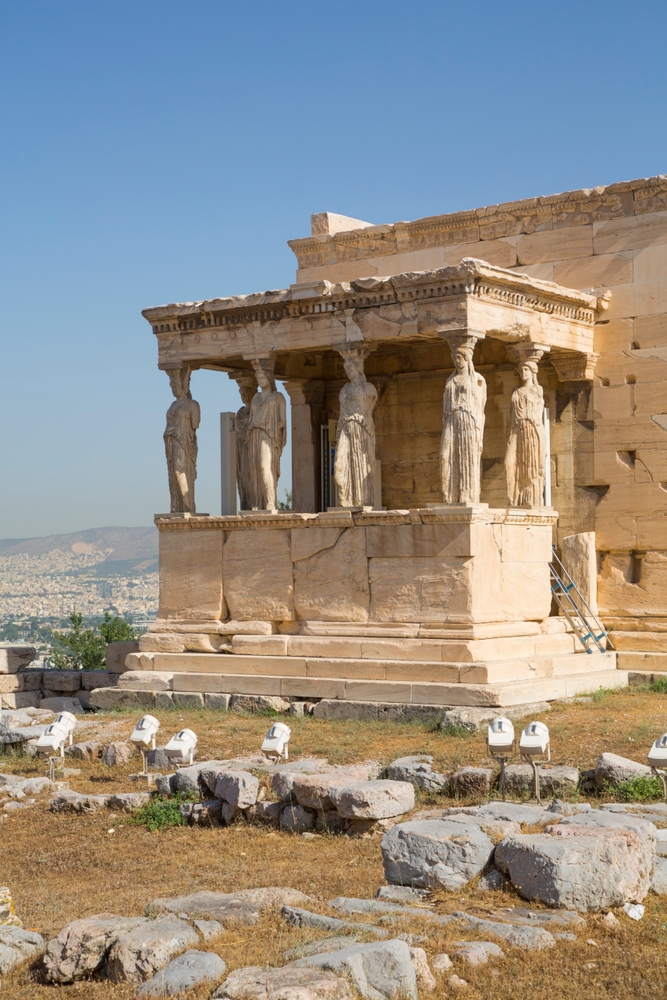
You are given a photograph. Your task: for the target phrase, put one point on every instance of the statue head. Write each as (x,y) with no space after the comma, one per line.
(247,388)
(528,372)
(354,368)
(264,381)
(463,360)
(179,380)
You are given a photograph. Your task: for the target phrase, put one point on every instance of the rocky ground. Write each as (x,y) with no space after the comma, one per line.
(65,866)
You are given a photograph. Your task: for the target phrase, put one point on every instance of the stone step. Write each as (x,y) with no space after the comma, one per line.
(647,662)
(528,668)
(459,694)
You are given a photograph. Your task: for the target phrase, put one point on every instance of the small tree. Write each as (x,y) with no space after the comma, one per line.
(85,649)
(78,649)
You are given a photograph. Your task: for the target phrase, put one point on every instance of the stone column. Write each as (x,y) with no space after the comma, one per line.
(527,447)
(463,424)
(307,397)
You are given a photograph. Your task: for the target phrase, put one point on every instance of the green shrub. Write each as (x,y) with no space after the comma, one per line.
(659,686)
(640,789)
(450,729)
(116,629)
(85,648)
(161,812)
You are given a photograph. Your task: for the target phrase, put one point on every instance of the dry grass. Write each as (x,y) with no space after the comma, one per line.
(64,867)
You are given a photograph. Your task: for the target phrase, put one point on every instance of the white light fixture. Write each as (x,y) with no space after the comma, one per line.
(500,743)
(276,742)
(535,743)
(143,735)
(182,746)
(52,742)
(657,758)
(68,722)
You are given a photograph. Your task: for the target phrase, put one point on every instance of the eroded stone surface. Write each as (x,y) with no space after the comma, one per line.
(188,970)
(288,983)
(373,799)
(382,969)
(82,946)
(434,853)
(245,906)
(16,945)
(138,953)
(417,770)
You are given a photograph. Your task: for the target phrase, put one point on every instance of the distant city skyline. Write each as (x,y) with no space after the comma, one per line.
(167,151)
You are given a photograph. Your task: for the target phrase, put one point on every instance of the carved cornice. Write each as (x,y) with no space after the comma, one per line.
(573,366)
(493,222)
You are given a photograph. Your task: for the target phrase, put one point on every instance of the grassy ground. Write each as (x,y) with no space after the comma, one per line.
(64,867)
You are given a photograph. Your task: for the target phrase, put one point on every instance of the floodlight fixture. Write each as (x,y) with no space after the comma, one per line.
(144,732)
(534,742)
(276,742)
(657,758)
(52,742)
(66,721)
(500,743)
(182,746)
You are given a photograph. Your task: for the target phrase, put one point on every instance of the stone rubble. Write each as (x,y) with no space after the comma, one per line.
(189,969)
(435,853)
(477,952)
(288,983)
(16,945)
(418,771)
(383,969)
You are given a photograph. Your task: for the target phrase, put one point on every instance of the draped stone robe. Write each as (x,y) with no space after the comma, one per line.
(526,447)
(243,469)
(354,469)
(180,443)
(462,437)
(267,435)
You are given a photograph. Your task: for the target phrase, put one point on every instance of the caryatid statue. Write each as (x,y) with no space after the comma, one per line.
(267,435)
(354,468)
(526,447)
(180,442)
(463,427)
(247,388)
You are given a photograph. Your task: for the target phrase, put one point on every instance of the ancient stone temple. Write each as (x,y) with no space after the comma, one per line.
(464,391)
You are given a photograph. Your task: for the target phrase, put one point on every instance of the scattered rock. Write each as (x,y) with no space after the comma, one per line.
(477,952)
(76,802)
(288,983)
(296,819)
(207,813)
(164,784)
(612,769)
(491,826)
(82,946)
(35,786)
(129,801)
(513,813)
(304,918)
(659,877)
(284,775)
(418,771)
(238,788)
(588,869)
(8,916)
(441,963)
(312,790)
(157,760)
(16,945)
(245,906)
(137,954)
(89,750)
(58,703)
(425,978)
(265,812)
(381,969)
(597,818)
(492,881)
(330,821)
(611,921)
(401,894)
(457,983)
(116,753)
(373,799)
(468,781)
(515,935)
(318,947)
(186,779)
(434,853)
(258,703)
(209,929)
(568,808)
(188,970)
(556,780)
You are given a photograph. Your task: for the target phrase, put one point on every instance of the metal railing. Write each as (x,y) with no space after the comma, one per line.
(587,626)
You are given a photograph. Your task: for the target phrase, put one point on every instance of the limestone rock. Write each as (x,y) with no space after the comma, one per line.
(284,775)
(587,869)
(16,945)
(401,894)
(137,954)
(491,881)
(265,812)
(418,771)
(312,790)
(116,753)
(513,813)
(188,970)
(659,876)
(157,760)
(129,801)
(82,946)
(62,703)
(12,658)
(379,970)
(8,916)
(245,906)
(425,978)
(88,750)
(434,853)
(258,703)
(469,781)
(373,799)
(441,963)
(288,983)
(209,929)
(597,818)
(477,952)
(330,821)
(526,938)
(296,819)
(556,780)
(298,917)
(612,769)
(76,802)
(207,813)
(318,947)
(186,778)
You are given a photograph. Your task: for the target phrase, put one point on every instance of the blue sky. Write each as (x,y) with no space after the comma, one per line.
(162,150)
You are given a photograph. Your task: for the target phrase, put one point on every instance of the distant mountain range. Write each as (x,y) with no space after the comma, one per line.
(128,545)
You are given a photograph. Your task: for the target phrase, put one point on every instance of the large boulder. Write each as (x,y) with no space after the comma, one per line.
(78,802)
(601,819)
(559,779)
(468,781)
(511,812)
(418,771)
(312,790)
(288,983)
(244,907)
(588,869)
(296,819)
(238,788)
(114,754)
(659,877)
(83,946)
(477,952)
(284,775)
(188,970)
(16,945)
(373,799)
(613,770)
(137,954)
(379,970)
(434,853)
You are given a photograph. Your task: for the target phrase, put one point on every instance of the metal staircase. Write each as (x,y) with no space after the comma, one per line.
(587,627)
